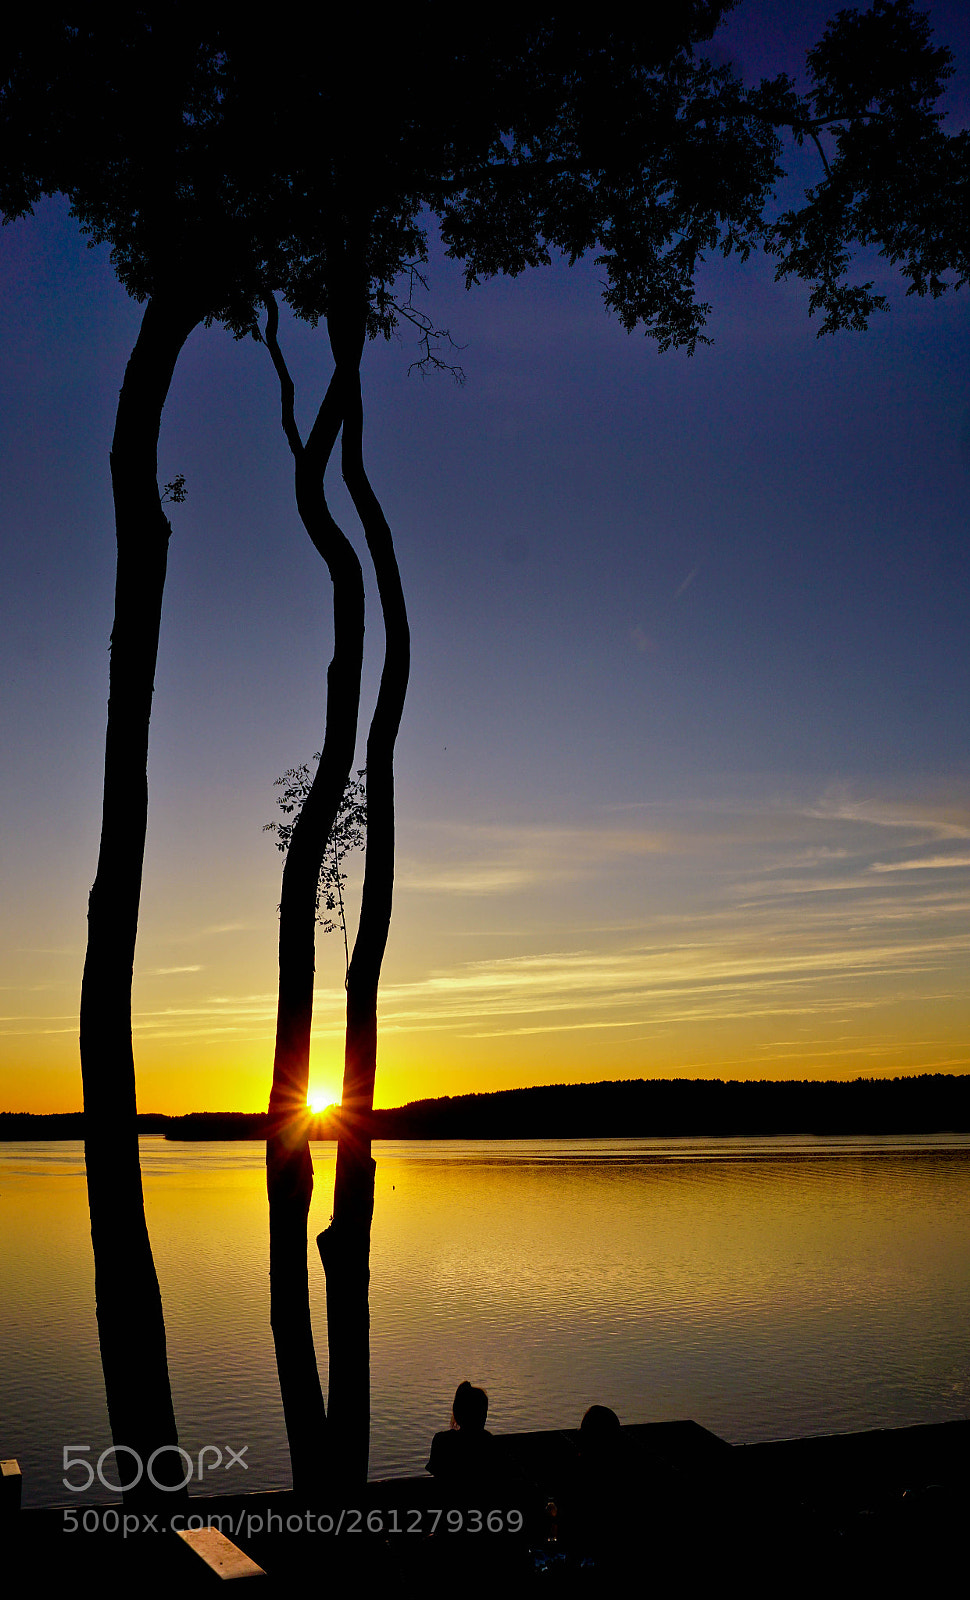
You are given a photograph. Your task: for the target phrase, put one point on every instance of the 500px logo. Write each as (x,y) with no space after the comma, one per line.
(210,1456)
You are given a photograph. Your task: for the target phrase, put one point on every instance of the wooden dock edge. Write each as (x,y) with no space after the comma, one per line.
(219,1554)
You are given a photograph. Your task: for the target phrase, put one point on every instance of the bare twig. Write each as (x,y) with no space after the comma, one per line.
(430,338)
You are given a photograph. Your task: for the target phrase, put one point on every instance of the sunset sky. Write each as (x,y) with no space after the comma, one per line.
(684,776)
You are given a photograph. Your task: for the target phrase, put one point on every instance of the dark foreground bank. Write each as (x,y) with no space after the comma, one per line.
(673,1505)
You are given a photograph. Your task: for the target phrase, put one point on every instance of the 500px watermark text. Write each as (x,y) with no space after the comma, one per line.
(346,1520)
(210,1458)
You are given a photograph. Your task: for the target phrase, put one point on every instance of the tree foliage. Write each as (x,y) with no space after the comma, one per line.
(205,151)
(540,136)
(135,115)
(346,835)
(892,179)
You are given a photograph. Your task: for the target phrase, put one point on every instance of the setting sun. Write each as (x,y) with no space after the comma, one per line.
(321,1099)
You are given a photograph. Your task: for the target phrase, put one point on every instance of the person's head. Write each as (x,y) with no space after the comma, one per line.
(599,1426)
(470,1408)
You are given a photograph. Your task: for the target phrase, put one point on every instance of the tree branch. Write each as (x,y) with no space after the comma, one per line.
(428,333)
(287,391)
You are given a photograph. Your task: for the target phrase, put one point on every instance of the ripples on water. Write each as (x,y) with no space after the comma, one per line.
(765,1288)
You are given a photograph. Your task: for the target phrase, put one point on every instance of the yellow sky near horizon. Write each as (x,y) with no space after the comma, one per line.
(768,938)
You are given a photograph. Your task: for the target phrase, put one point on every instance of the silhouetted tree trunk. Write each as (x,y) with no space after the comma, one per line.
(131,1327)
(345,1245)
(289,1167)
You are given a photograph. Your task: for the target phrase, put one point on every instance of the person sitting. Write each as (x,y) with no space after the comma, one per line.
(599,1431)
(601,1472)
(593,1505)
(463,1454)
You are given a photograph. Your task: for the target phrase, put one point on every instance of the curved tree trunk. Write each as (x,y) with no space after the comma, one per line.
(345,1245)
(289,1168)
(131,1328)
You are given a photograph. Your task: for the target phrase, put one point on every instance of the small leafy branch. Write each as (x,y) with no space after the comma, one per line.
(175,491)
(348,834)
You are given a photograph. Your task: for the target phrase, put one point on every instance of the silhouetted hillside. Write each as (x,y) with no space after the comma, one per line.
(65,1125)
(642,1108)
(219,1125)
(672,1107)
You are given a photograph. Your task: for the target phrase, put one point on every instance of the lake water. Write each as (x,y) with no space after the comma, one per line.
(764,1288)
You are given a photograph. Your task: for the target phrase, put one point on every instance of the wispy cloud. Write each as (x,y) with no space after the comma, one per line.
(947,818)
(812,930)
(686,583)
(696,981)
(767,909)
(644,642)
(219,1014)
(213,930)
(50,949)
(488,860)
(479,877)
(929,864)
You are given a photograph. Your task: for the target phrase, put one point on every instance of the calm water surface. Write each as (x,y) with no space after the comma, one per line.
(765,1288)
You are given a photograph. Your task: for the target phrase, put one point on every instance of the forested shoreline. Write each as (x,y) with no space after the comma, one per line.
(637,1108)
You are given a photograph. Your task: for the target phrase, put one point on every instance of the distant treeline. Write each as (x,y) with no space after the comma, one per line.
(65,1125)
(642,1108)
(668,1108)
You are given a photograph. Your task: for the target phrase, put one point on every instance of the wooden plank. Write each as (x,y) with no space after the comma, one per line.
(223,1557)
